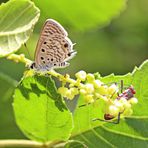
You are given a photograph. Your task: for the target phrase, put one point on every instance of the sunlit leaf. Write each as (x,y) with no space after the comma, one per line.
(17,19)
(131,131)
(39,110)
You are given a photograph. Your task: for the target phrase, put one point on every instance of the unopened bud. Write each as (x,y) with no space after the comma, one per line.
(89,98)
(81,75)
(62,91)
(90,77)
(113,89)
(74,91)
(103,90)
(97,83)
(89,88)
(133,100)
(113,110)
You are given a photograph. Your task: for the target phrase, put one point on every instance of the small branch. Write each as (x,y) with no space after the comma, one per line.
(21,58)
(64,78)
(21,143)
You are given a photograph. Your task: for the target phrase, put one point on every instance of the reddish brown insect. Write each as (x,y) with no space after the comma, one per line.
(127,94)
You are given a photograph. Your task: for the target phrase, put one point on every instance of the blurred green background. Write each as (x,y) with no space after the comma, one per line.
(110,47)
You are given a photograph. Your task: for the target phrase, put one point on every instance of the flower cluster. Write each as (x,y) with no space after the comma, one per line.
(92,89)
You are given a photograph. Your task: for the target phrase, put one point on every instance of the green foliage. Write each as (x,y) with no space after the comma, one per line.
(132,129)
(40,111)
(7,123)
(93,12)
(17,21)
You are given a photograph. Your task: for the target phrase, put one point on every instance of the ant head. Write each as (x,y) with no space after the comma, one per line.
(108,116)
(131,88)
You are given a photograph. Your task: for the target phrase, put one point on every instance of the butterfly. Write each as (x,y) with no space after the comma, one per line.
(54,48)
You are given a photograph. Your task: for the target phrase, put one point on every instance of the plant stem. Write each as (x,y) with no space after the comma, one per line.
(64,78)
(21,58)
(20,143)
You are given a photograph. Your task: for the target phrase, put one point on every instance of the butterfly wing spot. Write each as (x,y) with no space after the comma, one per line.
(54,48)
(65,45)
(43,50)
(69,54)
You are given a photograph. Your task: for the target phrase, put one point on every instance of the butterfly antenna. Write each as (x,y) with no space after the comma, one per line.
(74,44)
(27,50)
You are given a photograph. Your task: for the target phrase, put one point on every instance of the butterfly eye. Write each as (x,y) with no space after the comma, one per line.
(65,45)
(32,65)
(45,42)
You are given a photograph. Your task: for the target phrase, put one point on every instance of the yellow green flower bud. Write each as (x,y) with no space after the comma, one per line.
(103,90)
(119,105)
(123,100)
(113,89)
(133,100)
(89,99)
(97,83)
(128,112)
(74,90)
(104,98)
(89,88)
(81,75)
(69,95)
(83,91)
(127,105)
(113,110)
(90,77)
(62,91)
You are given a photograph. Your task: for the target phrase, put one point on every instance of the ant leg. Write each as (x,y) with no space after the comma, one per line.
(121,86)
(83,105)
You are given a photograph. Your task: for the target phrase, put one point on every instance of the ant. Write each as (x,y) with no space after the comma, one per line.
(127,94)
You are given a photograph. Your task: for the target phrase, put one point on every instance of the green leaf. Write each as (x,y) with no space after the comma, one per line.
(17,19)
(131,132)
(40,111)
(81,15)
(8,128)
